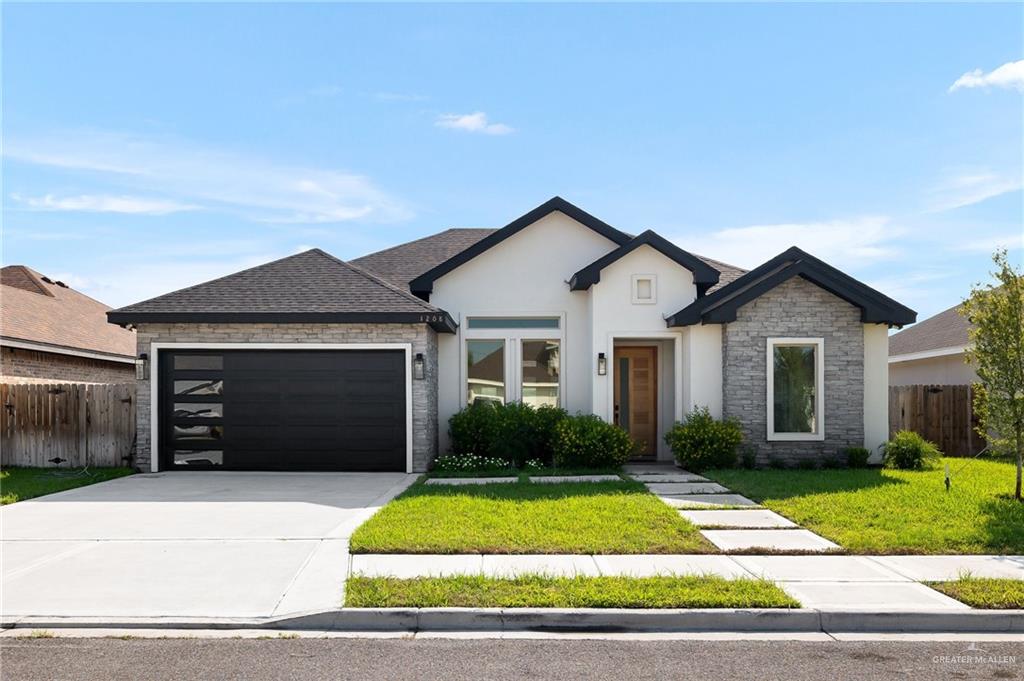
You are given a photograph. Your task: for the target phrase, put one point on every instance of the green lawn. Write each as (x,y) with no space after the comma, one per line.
(18,484)
(977,592)
(565,592)
(592,517)
(883,511)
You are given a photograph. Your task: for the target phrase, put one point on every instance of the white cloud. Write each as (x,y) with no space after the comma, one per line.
(841,242)
(98,203)
(970,188)
(474,122)
(259,189)
(991,243)
(1009,75)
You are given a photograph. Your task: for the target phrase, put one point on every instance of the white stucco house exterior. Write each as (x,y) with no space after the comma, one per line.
(313,363)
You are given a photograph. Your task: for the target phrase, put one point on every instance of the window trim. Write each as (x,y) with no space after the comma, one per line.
(635,290)
(819,389)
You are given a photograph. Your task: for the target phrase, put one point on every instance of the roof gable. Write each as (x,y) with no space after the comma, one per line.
(423,285)
(704,275)
(721,305)
(312,286)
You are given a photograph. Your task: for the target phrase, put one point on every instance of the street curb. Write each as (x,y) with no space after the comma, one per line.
(592,620)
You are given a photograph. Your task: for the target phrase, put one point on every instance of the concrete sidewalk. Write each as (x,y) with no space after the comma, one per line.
(817,581)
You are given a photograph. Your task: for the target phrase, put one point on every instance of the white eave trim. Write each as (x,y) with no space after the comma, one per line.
(60,350)
(928,354)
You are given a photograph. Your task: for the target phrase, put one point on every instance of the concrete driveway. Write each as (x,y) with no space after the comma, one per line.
(187,544)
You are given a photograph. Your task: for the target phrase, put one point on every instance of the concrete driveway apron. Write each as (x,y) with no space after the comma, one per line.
(197,544)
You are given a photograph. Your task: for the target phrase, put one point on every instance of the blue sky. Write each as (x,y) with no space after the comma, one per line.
(148,147)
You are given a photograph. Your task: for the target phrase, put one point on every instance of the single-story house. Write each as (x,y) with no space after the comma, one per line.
(310,362)
(51,333)
(931,352)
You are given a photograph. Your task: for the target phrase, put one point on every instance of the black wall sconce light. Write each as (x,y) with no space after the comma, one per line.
(602,364)
(418,366)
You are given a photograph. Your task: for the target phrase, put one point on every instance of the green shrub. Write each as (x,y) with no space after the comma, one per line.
(910,452)
(748,456)
(777,463)
(857,457)
(514,432)
(807,464)
(585,441)
(700,442)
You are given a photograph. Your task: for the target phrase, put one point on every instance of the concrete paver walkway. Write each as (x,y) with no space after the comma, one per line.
(760,530)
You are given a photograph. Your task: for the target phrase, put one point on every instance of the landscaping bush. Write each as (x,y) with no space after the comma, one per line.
(748,456)
(585,441)
(513,432)
(700,442)
(910,452)
(857,457)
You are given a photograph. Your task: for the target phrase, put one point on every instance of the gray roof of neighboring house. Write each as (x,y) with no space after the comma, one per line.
(309,286)
(403,263)
(948,329)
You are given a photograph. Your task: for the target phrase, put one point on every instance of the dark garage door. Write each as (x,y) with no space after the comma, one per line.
(341,410)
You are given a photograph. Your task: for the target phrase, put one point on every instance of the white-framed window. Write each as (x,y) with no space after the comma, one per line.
(513,359)
(644,289)
(796,389)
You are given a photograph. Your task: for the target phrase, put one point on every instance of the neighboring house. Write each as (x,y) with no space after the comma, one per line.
(52,333)
(309,362)
(931,352)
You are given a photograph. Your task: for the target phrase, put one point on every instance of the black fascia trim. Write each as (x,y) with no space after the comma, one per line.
(721,306)
(704,275)
(440,320)
(423,285)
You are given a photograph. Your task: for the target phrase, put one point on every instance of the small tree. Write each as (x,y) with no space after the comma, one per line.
(996,350)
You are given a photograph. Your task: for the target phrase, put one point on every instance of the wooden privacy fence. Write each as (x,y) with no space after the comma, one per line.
(86,424)
(943,414)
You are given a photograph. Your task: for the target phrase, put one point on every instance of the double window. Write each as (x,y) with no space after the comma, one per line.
(513,359)
(796,396)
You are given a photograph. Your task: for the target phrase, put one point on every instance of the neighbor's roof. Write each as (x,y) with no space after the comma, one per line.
(312,286)
(721,305)
(948,329)
(38,310)
(403,263)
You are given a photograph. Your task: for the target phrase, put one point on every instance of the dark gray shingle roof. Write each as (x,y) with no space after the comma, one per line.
(309,282)
(403,263)
(948,329)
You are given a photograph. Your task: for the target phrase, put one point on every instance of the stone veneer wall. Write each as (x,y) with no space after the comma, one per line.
(796,308)
(18,365)
(422,338)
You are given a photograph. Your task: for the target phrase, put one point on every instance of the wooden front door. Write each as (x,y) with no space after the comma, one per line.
(636,395)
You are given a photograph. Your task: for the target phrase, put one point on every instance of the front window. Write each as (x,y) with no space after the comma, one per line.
(514,359)
(485,371)
(540,372)
(795,399)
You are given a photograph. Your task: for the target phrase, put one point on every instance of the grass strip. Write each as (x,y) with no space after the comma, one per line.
(984,592)
(535,591)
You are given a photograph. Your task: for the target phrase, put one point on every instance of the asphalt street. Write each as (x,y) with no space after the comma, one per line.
(398,659)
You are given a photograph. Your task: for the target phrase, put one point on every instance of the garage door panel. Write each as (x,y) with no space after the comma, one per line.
(298,410)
